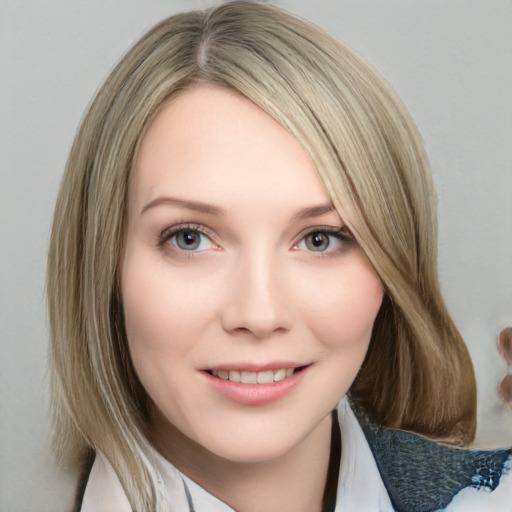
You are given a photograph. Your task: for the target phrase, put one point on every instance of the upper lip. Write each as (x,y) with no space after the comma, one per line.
(256,367)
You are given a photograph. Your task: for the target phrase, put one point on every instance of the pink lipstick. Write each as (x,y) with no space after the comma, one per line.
(253,388)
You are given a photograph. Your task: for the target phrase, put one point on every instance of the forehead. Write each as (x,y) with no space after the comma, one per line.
(212,144)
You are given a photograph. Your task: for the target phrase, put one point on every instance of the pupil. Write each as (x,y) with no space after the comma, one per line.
(188,240)
(318,241)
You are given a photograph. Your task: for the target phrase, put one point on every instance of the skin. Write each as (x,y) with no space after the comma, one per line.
(255,289)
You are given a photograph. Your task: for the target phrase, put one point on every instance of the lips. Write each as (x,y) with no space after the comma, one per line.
(256,387)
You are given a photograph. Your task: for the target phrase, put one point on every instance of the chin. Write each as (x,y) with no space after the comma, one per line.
(259,438)
(259,449)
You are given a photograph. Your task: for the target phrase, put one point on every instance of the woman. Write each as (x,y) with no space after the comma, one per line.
(246,233)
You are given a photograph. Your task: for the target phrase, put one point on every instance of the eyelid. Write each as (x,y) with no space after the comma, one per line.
(166,234)
(341,232)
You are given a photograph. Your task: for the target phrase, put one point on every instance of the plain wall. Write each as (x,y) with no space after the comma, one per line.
(450,60)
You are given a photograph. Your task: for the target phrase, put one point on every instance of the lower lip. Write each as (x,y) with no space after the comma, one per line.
(255,394)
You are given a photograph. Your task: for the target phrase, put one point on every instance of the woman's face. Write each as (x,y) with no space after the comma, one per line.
(237,268)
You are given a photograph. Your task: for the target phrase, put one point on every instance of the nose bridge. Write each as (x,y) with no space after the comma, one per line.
(256,300)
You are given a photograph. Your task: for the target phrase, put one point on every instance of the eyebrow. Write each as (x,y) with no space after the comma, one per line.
(196,206)
(313,211)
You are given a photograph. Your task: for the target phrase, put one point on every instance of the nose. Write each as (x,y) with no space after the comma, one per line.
(257,301)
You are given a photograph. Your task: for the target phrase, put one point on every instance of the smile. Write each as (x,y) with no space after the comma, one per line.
(253,388)
(248,377)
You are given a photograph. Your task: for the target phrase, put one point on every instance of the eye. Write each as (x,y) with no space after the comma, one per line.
(190,240)
(317,241)
(187,238)
(324,240)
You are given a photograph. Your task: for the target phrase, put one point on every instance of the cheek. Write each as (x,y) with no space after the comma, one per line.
(343,313)
(343,321)
(160,312)
(146,319)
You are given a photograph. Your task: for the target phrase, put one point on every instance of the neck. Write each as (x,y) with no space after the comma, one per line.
(294,481)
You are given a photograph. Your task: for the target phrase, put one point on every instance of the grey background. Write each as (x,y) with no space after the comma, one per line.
(450,60)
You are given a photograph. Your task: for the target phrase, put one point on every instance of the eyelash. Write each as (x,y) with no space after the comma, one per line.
(341,233)
(168,233)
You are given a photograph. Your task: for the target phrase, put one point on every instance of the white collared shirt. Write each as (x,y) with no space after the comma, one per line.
(360,486)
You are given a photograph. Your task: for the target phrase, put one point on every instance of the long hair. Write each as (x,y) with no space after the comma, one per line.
(417,374)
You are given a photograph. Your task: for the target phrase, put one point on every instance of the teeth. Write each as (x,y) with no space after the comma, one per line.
(234,376)
(245,377)
(279,375)
(248,377)
(265,377)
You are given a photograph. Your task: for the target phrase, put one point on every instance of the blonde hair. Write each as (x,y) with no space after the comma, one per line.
(417,375)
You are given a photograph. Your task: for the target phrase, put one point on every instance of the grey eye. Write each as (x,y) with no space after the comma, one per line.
(188,240)
(317,241)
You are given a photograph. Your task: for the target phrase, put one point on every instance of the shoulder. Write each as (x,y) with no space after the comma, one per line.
(426,476)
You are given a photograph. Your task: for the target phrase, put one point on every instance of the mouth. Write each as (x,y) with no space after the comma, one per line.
(249,385)
(252,377)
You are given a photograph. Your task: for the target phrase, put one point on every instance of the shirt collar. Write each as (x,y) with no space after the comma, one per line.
(360,485)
